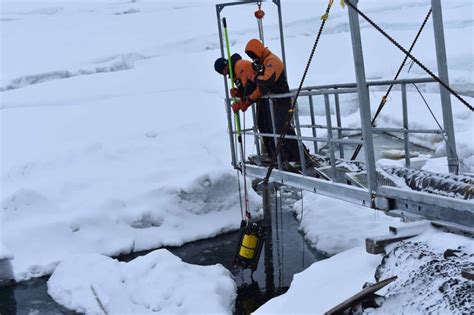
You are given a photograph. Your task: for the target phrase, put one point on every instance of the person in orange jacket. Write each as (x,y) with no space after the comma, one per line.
(244,76)
(249,93)
(271,79)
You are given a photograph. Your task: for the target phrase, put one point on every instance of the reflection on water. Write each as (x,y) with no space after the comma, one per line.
(290,255)
(29,297)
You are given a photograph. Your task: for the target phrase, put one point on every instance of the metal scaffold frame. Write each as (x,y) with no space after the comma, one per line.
(430,206)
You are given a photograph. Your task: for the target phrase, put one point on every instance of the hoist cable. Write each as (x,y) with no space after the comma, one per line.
(259,14)
(437,122)
(237,123)
(383,101)
(422,66)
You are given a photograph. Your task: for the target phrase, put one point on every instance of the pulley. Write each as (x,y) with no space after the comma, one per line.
(259,14)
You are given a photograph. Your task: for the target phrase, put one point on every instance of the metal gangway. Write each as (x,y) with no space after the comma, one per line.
(377,190)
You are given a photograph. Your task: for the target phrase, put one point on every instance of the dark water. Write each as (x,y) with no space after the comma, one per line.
(290,255)
(29,298)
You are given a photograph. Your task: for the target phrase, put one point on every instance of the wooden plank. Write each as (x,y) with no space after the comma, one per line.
(468,273)
(376,245)
(360,296)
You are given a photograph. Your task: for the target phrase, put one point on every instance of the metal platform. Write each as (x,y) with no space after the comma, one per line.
(370,187)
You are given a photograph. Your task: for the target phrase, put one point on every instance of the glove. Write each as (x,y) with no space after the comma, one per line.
(241,105)
(245,104)
(236,107)
(235,92)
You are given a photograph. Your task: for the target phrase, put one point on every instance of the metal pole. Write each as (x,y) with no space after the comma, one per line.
(405,125)
(313,123)
(330,144)
(256,137)
(453,163)
(300,143)
(227,102)
(267,217)
(364,100)
(282,42)
(275,135)
(339,125)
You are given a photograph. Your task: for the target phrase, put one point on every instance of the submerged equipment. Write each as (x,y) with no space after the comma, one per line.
(250,245)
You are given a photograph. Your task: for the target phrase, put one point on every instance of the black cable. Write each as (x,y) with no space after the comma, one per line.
(383,101)
(289,115)
(422,66)
(439,125)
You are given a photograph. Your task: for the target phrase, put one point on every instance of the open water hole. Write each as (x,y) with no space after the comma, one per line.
(273,276)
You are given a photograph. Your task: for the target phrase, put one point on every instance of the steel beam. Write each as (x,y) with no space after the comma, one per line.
(364,99)
(282,40)
(453,163)
(296,117)
(313,122)
(325,140)
(330,143)
(369,83)
(339,125)
(275,134)
(345,192)
(315,92)
(427,199)
(256,138)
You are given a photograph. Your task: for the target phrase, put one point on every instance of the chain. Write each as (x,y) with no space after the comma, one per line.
(422,66)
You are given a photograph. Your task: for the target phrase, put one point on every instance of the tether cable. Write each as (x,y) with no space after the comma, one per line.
(383,101)
(439,125)
(422,66)
(239,135)
(289,115)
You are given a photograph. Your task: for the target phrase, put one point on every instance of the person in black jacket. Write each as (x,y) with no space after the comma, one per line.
(271,79)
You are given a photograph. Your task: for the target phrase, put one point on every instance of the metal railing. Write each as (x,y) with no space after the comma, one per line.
(382,197)
(335,141)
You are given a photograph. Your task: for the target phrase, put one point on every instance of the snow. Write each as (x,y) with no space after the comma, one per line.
(114,137)
(332,226)
(436,165)
(325,284)
(427,281)
(426,264)
(124,222)
(157,282)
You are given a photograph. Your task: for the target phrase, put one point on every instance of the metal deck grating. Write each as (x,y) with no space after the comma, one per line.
(360,179)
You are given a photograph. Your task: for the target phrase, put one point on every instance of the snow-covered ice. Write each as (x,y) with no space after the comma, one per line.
(432,260)
(331,225)
(160,216)
(157,282)
(429,278)
(325,284)
(114,136)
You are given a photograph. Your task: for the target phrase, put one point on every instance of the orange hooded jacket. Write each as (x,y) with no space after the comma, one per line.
(246,74)
(273,78)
